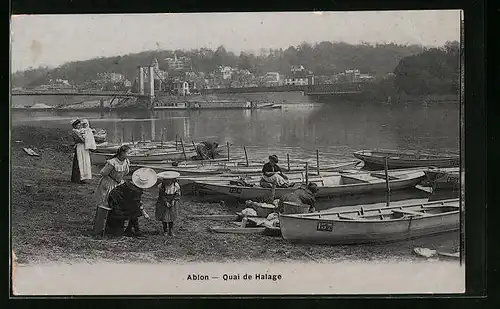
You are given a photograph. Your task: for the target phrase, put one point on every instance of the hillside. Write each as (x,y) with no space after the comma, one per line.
(323,59)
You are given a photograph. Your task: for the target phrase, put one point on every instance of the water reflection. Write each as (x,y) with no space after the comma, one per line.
(336,128)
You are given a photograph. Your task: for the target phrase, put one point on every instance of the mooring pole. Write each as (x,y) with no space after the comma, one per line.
(162,132)
(183,150)
(307,173)
(246,156)
(228,157)
(317,160)
(388,189)
(288,161)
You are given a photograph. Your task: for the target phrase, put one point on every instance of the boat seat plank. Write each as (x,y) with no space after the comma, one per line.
(408,212)
(349,217)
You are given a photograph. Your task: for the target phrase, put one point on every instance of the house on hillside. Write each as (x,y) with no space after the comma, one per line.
(178,63)
(272,79)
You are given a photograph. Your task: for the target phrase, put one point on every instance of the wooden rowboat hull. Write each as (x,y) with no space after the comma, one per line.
(395,159)
(101,158)
(314,229)
(235,169)
(187,180)
(254,193)
(443,178)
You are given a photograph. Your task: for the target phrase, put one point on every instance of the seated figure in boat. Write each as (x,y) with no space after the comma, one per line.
(206,150)
(303,195)
(272,173)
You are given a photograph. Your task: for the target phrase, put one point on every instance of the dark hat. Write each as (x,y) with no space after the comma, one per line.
(273,158)
(312,187)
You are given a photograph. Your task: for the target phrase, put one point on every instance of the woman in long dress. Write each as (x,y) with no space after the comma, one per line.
(82,168)
(112,174)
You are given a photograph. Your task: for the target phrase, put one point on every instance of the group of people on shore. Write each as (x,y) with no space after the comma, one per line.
(122,199)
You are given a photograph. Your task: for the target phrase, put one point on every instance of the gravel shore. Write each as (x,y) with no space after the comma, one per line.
(52,217)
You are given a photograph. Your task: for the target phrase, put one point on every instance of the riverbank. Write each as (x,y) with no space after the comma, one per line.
(52,217)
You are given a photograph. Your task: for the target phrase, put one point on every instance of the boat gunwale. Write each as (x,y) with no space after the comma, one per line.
(367,154)
(315,216)
(353,185)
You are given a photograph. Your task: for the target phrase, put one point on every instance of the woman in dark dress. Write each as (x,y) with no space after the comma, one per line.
(125,203)
(77,139)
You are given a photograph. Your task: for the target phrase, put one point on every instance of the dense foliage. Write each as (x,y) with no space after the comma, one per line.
(417,70)
(434,71)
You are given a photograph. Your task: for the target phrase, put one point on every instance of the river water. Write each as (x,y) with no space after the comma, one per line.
(299,129)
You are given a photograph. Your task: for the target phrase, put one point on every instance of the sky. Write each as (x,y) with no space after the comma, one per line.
(52,40)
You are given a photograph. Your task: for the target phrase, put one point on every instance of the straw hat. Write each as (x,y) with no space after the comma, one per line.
(144,178)
(75,121)
(168,175)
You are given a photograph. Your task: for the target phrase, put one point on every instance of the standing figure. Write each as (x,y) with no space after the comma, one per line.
(88,135)
(168,198)
(272,173)
(81,169)
(125,203)
(207,150)
(112,174)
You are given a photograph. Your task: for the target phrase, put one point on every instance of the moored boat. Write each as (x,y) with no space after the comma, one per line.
(187,180)
(238,169)
(100,158)
(342,184)
(405,159)
(443,178)
(359,225)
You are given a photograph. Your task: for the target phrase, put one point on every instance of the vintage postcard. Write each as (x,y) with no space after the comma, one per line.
(237,153)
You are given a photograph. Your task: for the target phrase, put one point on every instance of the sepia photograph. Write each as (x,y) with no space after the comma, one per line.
(255,153)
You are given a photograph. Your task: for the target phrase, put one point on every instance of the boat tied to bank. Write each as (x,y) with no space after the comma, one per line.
(443,178)
(342,184)
(384,224)
(405,159)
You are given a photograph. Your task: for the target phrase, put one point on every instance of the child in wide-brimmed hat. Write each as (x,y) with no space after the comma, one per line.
(168,198)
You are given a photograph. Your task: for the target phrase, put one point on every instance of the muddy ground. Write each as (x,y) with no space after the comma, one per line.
(52,217)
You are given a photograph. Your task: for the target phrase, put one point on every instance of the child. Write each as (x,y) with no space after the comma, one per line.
(168,199)
(88,135)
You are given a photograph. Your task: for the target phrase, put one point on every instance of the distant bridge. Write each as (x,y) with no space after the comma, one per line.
(78,93)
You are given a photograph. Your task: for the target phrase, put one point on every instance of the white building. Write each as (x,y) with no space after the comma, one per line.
(177,64)
(226,72)
(298,81)
(272,78)
(182,88)
(297,68)
(111,77)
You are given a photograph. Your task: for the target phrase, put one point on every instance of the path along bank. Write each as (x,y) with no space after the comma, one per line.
(52,217)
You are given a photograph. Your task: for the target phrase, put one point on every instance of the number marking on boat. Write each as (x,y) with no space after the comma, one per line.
(325,226)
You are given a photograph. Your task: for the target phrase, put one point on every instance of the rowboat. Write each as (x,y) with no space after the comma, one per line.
(187,180)
(358,225)
(444,178)
(400,159)
(147,145)
(342,184)
(142,145)
(100,158)
(237,169)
